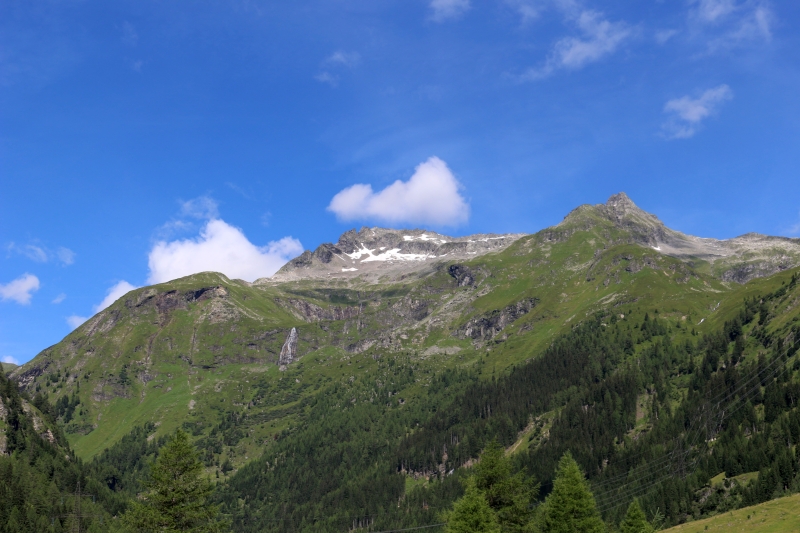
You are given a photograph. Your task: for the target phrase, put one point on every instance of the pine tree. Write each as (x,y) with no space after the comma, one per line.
(571,507)
(472,514)
(508,496)
(635,520)
(177,495)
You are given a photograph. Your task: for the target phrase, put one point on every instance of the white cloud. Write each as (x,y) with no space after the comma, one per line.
(43,255)
(662,36)
(714,10)
(31,251)
(65,255)
(9,359)
(20,290)
(728,23)
(60,298)
(442,10)
(430,196)
(688,113)
(202,207)
(337,60)
(220,247)
(345,59)
(129,35)
(600,37)
(527,9)
(795,229)
(74,320)
(114,293)
(327,77)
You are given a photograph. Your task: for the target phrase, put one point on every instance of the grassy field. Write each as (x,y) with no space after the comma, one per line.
(776,516)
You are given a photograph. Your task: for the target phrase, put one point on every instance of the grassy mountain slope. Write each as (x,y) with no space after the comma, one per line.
(197,350)
(395,384)
(781,515)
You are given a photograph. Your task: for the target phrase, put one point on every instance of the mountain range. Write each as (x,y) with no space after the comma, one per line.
(399,327)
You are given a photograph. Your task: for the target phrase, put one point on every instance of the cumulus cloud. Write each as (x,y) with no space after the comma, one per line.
(687,113)
(75,320)
(430,196)
(20,290)
(10,360)
(41,254)
(599,37)
(442,10)
(220,247)
(114,293)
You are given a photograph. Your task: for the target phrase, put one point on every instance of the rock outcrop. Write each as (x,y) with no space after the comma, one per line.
(486,327)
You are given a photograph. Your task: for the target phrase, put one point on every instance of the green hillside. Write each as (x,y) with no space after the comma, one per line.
(654,372)
(777,516)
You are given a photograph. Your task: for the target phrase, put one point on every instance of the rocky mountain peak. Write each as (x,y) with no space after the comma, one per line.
(372,253)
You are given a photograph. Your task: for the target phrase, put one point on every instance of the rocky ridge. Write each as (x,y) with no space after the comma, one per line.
(739,259)
(375,254)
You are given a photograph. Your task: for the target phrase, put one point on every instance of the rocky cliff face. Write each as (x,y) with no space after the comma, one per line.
(376,253)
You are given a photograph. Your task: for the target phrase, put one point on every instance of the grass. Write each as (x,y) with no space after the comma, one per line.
(196,353)
(777,516)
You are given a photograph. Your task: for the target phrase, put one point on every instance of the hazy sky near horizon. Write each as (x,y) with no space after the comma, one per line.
(141,141)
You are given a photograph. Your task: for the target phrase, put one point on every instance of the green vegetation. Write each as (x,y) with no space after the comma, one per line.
(576,358)
(776,516)
(43,487)
(177,494)
(570,508)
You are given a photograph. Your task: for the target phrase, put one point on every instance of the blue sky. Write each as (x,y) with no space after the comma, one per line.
(143,140)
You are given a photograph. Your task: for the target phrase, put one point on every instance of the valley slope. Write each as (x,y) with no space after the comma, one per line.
(378,318)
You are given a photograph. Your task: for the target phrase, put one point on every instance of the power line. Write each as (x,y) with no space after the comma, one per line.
(620,498)
(410,528)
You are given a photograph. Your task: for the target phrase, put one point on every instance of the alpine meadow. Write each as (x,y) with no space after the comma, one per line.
(604,374)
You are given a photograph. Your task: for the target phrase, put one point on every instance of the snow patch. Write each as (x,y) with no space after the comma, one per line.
(423,237)
(389,255)
(349,269)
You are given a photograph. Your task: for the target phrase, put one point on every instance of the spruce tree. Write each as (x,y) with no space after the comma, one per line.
(571,507)
(472,514)
(635,520)
(177,495)
(511,497)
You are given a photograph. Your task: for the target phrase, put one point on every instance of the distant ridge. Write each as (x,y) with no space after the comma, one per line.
(375,253)
(378,254)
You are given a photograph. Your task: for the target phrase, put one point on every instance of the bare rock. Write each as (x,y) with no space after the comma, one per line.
(289,351)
